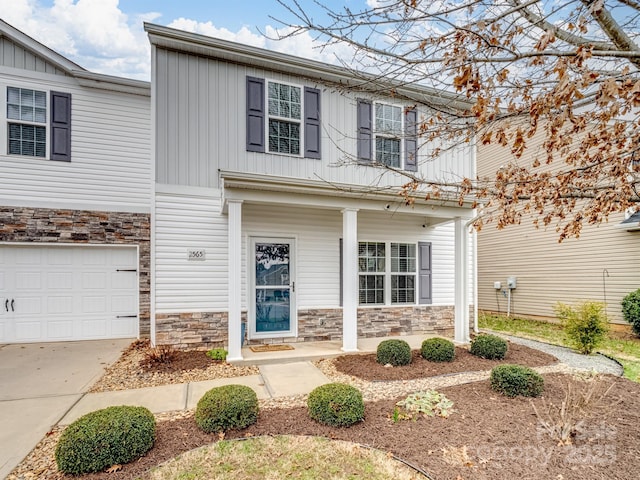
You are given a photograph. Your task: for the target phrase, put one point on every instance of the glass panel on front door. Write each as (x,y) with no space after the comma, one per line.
(273,285)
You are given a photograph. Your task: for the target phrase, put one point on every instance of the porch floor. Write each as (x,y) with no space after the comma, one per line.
(310,351)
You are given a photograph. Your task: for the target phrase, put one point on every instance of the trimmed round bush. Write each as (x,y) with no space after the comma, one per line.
(336,404)
(514,380)
(438,350)
(490,347)
(396,352)
(231,407)
(631,310)
(100,439)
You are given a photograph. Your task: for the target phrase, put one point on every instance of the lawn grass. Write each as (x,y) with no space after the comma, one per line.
(303,458)
(624,350)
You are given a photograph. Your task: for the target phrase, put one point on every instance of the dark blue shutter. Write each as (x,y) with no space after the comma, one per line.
(411,140)
(60,126)
(255,114)
(311,122)
(365,134)
(425,295)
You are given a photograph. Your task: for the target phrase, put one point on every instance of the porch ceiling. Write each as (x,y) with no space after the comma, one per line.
(269,189)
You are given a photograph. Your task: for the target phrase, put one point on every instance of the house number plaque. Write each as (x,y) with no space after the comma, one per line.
(196,254)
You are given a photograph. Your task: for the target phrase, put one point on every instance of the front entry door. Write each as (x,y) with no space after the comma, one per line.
(274,288)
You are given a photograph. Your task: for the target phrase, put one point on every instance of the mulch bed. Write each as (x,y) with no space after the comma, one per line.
(367,368)
(488,437)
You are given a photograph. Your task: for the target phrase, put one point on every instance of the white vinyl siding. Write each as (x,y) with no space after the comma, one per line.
(186,222)
(201,115)
(110,142)
(16,56)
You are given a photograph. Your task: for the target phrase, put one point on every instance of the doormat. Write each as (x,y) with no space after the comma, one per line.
(275,347)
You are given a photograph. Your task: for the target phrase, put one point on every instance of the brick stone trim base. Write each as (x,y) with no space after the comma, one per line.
(209,329)
(51,226)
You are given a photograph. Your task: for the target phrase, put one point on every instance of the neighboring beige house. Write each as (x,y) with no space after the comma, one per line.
(602,265)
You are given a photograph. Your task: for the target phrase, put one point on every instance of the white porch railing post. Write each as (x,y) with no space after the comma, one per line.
(461,316)
(235,280)
(350,280)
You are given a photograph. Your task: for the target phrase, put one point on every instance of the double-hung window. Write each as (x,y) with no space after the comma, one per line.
(27,122)
(285,114)
(387,135)
(388,128)
(387,273)
(283,118)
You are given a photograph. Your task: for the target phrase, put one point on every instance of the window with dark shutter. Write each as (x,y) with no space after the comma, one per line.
(425,273)
(255,114)
(365,134)
(411,140)
(311,122)
(60,125)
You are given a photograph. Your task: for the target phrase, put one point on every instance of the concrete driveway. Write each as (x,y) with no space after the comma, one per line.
(39,383)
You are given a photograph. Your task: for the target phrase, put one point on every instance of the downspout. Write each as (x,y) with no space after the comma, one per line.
(474,271)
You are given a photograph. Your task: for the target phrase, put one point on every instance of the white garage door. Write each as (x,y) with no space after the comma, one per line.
(67,293)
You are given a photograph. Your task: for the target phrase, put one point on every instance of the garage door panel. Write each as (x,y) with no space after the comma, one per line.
(60,280)
(123,304)
(59,305)
(68,292)
(28,281)
(94,280)
(95,328)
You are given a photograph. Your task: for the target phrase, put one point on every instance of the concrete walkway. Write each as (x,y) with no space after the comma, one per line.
(274,380)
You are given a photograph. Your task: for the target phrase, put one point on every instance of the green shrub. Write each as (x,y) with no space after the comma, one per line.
(336,404)
(438,350)
(106,437)
(585,325)
(429,403)
(219,354)
(396,352)
(631,310)
(489,347)
(514,380)
(227,408)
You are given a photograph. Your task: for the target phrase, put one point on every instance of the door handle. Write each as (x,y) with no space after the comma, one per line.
(12,304)
(6,304)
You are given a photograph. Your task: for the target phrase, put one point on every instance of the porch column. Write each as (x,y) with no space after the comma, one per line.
(350,280)
(461,321)
(235,279)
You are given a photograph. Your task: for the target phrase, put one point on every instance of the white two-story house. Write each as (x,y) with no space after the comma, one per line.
(273,212)
(75,196)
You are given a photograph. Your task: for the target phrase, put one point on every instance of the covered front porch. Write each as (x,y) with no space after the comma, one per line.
(362,214)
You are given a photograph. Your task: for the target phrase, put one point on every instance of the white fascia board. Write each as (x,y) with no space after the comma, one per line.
(263,189)
(202,45)
(115,84)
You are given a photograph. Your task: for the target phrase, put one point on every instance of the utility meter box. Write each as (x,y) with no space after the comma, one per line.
(497,285)
(511,283)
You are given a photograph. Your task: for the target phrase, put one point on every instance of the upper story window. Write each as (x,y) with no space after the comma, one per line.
(38,124)
(27,119)
(285,112)
(387,135)
(283,118)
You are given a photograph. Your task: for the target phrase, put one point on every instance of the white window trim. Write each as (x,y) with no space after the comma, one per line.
(283,119)
(5,120)
(388,273)
(400,136)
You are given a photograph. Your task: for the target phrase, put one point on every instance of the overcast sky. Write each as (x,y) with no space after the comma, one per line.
(107,36)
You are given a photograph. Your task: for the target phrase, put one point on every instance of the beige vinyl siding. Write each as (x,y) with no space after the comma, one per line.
(201,127)
(110,166)
(13,55)
(604,263)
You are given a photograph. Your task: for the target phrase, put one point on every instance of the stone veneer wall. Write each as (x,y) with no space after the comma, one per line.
(209,329)
(42,225)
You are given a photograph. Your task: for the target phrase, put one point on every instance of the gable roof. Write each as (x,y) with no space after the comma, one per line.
(232,52)
(72,69)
